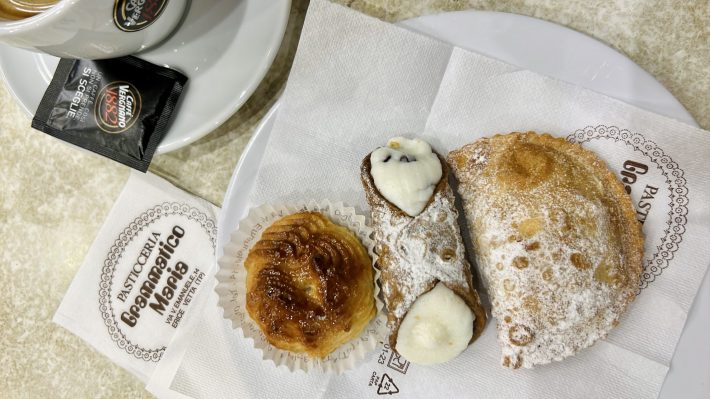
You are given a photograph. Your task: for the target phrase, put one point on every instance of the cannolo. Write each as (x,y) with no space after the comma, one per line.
(556,241)
(433,310)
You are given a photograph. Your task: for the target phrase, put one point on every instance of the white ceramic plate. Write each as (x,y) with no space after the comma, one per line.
(224,47)
(555,51)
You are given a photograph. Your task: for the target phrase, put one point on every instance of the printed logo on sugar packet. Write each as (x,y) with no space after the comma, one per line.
(118,106)
(657,187)
(152,273)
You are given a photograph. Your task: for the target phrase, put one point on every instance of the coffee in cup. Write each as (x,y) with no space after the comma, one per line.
(20,9)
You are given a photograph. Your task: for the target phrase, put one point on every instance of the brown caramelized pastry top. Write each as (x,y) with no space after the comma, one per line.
(556,240)
(310,284)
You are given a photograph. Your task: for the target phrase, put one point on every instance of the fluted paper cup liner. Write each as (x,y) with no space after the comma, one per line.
(231,287)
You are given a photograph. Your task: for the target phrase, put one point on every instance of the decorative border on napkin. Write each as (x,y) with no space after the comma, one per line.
(678,199)
(114,256)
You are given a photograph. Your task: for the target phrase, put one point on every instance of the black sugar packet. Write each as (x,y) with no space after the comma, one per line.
(119,108)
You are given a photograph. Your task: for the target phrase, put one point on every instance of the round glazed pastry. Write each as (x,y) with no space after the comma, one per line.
(310,284)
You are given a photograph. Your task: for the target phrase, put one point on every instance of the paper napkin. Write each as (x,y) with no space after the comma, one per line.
(143,275)
(355,83)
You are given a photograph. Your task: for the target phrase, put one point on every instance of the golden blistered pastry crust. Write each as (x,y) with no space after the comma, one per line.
(310,284)
(416,253)
(556,240)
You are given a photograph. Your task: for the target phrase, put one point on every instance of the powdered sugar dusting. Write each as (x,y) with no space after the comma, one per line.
(550,244)
(418,250)
(415,253)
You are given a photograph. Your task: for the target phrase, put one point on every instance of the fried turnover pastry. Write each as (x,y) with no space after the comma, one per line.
(433,310)
(556,240)
(310,284)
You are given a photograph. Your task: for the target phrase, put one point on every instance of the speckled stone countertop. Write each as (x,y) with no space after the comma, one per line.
(54,198)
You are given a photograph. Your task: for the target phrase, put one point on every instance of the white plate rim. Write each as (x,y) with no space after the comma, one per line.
(242,180)
(230,217)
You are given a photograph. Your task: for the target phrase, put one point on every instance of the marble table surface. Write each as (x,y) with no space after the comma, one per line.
(53,198)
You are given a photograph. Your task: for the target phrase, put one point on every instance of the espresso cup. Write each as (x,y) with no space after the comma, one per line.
(90,29)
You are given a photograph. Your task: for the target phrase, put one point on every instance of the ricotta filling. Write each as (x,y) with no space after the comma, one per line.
(406,173)
(437,328)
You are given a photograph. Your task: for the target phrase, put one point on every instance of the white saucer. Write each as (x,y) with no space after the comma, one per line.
(551,50)
(224,47)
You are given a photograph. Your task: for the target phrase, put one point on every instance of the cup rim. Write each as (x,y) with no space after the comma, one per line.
(36,21)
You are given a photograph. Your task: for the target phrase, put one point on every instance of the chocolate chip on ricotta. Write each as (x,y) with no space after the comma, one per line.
(406,173)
